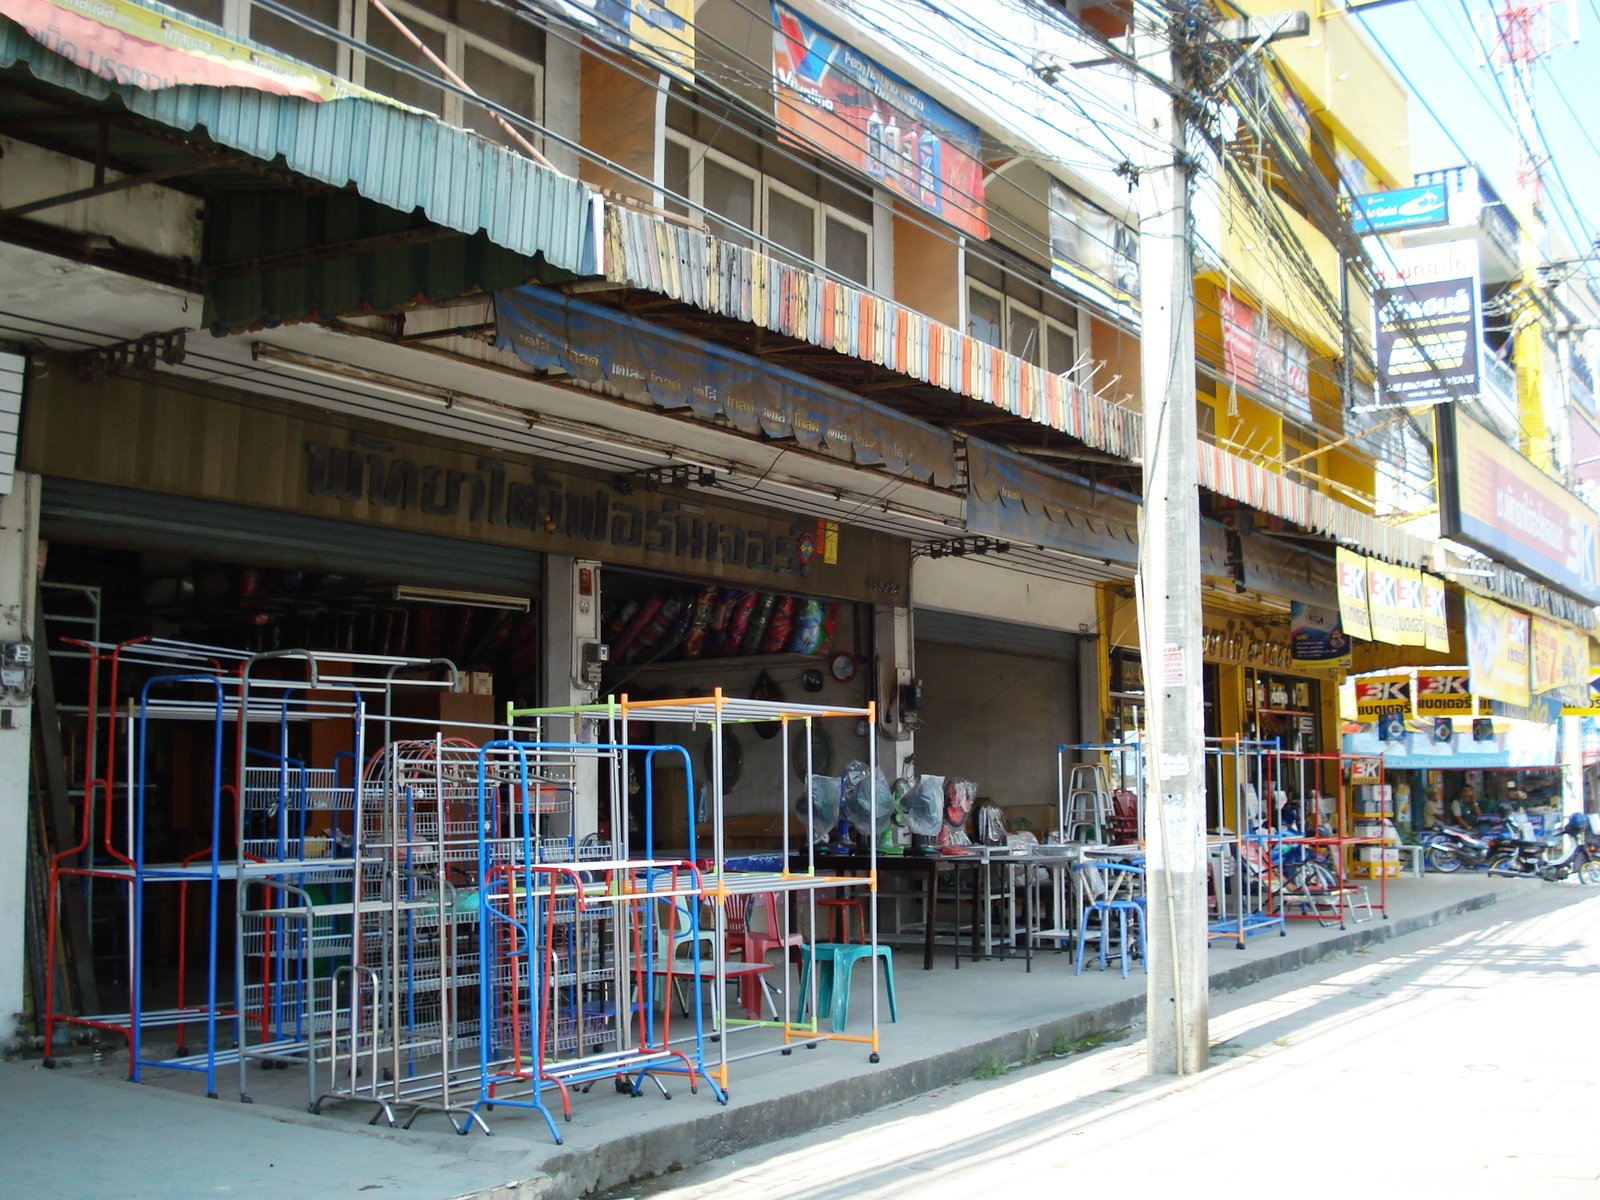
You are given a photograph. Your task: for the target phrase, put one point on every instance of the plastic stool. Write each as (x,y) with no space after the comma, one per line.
(833,990)
(839,920)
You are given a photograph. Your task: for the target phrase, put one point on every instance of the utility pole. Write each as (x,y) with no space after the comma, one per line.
(1177,997)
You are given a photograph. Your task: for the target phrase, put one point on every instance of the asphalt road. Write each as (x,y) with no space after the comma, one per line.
(1458,1062)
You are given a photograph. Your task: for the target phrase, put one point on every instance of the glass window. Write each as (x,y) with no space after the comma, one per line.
(405,87)
(504,27)
(1061,346)
(984,316)
(675,176)
(1022,337)
(288,38)
(849,252)
(506,84)
(792,224)
(731,195)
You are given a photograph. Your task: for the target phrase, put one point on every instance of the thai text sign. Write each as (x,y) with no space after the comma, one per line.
(1404,208)
(1350,573)
(1429,330)
(1493,498)
(1444,693)
(834,99)
(1379,694)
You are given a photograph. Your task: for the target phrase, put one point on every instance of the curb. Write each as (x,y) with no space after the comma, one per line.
(728,1131)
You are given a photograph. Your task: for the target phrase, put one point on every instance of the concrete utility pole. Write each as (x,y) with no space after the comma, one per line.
(1177,1003)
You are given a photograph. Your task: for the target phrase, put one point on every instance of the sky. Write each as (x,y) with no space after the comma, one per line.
(1460,115)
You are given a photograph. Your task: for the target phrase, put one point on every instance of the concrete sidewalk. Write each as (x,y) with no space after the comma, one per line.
(953,1022)
(1458,1062)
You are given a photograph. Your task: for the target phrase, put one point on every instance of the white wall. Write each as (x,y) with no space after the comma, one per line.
(19,554)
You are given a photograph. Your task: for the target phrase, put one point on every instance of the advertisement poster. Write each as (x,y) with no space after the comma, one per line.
(1435,626)
(1316,637)
(1428,331)
(1383,601)
(1350,581)
(834,99)
(1404,208)
(659,31)
(1493,498)
(1497,650)
(1444,693)
(1560,660)
(1259,354)
(1093,254)
(129,43)
(1379,694)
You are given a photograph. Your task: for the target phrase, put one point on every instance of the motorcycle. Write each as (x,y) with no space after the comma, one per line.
(1548,860)
(1446,849)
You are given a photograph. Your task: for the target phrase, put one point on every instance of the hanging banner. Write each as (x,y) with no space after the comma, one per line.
(1428,332)
(1316,637)
(1379,694)
(1093,254)
(1383,585)
(1260,355)
(833,99)
(1560,658)
(1493,498)
(1009,496)
(1408,604)
(158,49)
(1444,692)
(659,31)
(1497,650)
(1435,625)
(1350,581)
(644,362)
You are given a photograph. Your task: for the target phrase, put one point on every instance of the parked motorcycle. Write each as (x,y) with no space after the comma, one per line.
(1552,860)
(1446,849)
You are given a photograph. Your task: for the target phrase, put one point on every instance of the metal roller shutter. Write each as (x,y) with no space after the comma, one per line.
(984,633)
(100,515)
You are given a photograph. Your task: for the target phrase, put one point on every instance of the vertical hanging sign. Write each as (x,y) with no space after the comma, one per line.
(1435,627)
(1408,605)
(1351,575)
(1383,601)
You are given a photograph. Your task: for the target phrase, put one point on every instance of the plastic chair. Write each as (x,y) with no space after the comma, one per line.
(1109,891)
(1124,817)
(753,945)
(833,989)
(839,919)
(682,934)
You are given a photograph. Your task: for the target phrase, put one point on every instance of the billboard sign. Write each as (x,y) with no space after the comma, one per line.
(1403,208)
(1494,499)
(1093,254)
(834,99)
(1428,334)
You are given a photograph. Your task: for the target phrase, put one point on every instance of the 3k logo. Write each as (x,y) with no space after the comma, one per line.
(1395,691)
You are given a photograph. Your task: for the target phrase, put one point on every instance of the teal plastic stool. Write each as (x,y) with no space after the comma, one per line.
(835,963)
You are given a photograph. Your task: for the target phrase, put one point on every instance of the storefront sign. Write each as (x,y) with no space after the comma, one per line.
(1444,693)
(1493,498)
(1350,572)
(1379,694)
(216,443)
(1403,208)
(1435,625)
(1316,637)
(1497,650)
(156,49)
(833,99)
(646,362)
(1383,602)
(1429,331)
(1093,254)
(1259,354)
(1560,661)
(1408,604)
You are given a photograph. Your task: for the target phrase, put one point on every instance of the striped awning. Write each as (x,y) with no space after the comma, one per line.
(747,285)
(1250,483)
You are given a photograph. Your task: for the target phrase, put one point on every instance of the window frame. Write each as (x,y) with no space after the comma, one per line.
(1010,305)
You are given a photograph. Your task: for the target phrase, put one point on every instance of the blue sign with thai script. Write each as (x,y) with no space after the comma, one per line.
(1404,208)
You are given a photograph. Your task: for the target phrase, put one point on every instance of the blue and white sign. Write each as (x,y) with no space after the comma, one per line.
(1404,208)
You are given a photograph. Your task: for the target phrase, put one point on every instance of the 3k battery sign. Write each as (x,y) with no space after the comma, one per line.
(1379,694)
(1444,694)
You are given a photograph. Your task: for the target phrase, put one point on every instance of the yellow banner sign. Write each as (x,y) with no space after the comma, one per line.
(1435,627)
(1560,656)
(1444,693)
(1408,605)
(1379,694)
(1497,650)
(1350,574)
(1383,585)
